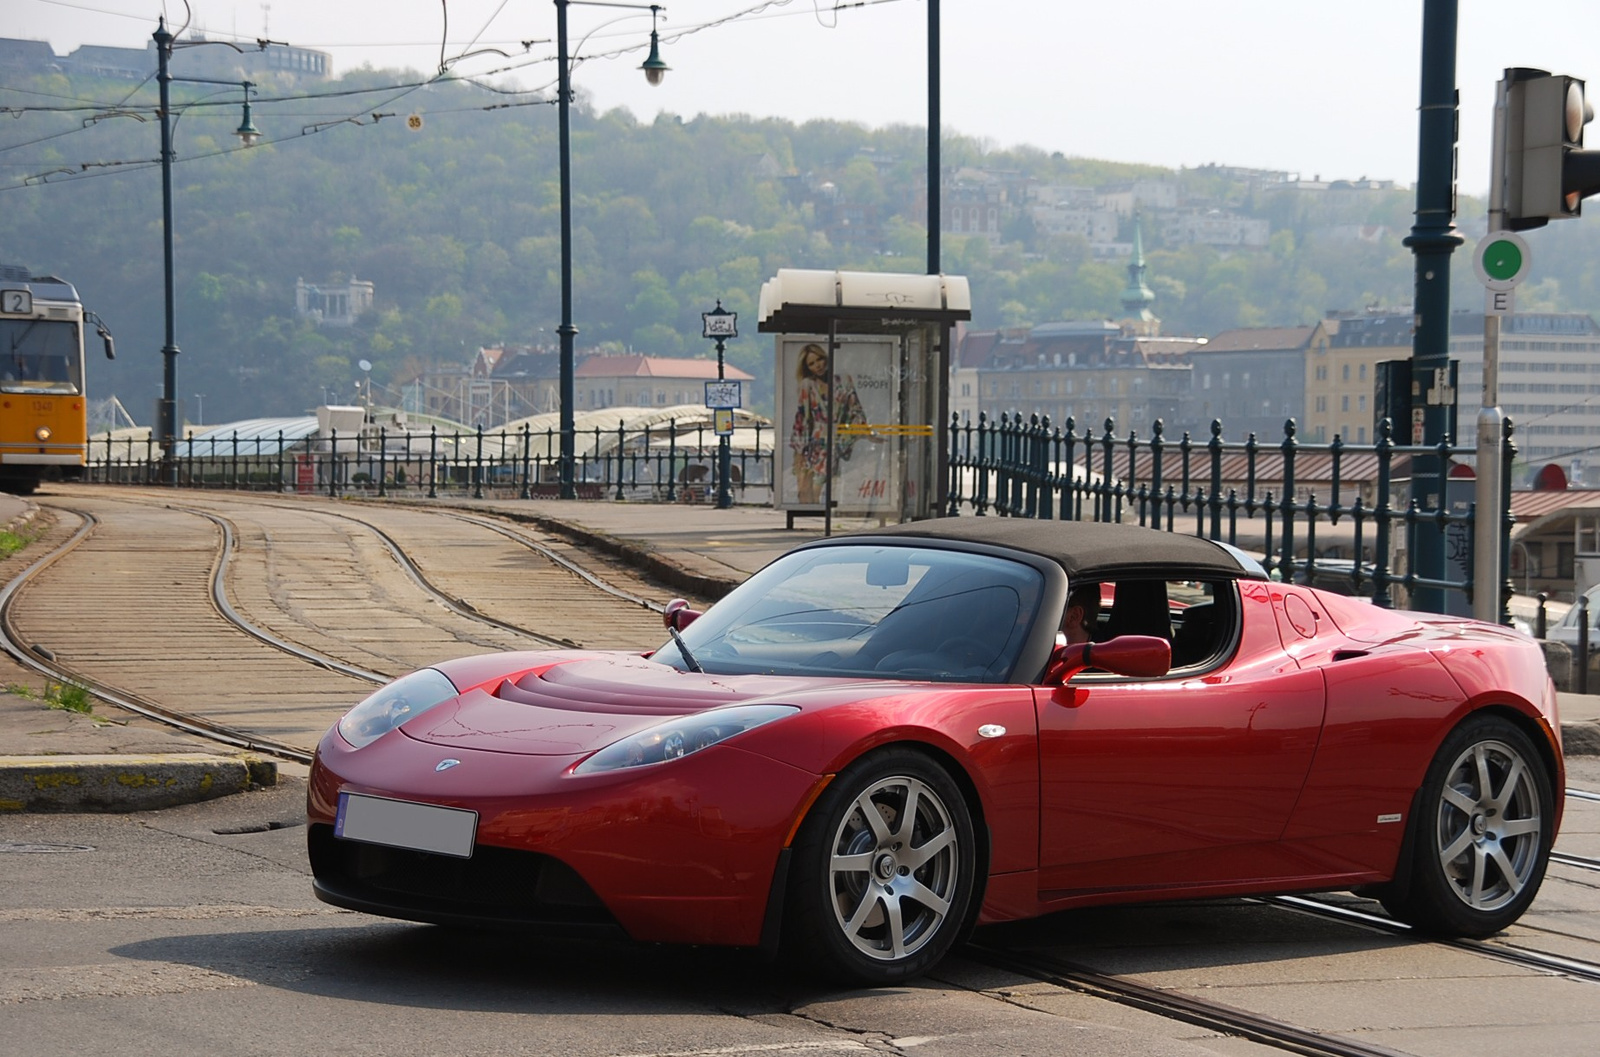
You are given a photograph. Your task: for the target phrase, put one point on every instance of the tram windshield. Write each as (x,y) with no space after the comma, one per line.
(40,356)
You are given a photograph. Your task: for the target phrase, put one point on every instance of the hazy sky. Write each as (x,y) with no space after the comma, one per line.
(1327,89)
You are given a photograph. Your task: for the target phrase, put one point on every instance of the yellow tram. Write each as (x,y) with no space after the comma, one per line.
(43,403)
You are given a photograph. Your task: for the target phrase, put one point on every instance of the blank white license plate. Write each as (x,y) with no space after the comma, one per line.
(403,824)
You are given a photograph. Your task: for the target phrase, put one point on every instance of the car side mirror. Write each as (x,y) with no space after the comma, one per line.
(678,615)
(1141,656)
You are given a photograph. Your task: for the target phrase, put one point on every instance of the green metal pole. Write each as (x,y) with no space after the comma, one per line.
(1433,239)
(168,426)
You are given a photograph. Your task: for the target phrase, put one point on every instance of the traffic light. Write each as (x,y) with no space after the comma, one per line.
(1548,174)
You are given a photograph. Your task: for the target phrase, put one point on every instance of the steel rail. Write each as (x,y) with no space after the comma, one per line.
(493,525)
(46,665)
(1575,860)
(539,548)
(219,598)
(1583,794)
(1213,1016)
(1521,956)
(459,606)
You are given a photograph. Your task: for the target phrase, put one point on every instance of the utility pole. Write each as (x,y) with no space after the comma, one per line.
(1432,240)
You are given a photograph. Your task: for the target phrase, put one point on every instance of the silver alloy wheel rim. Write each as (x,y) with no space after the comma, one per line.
(1489,827)
(892,868)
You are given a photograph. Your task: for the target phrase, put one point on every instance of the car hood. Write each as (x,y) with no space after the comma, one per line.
(576,707)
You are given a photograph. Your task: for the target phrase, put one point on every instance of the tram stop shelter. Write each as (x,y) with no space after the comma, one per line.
(861,362)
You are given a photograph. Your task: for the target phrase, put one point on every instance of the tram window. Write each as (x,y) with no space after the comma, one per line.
(38,351)
(24,368)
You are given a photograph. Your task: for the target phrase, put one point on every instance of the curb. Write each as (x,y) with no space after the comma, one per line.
(118,783)
(24,519)
(1580,739)
(668,572)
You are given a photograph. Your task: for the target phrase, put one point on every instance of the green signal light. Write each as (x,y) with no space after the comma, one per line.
(1502,260)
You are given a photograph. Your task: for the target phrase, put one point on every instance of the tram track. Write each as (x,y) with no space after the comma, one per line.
(42,660)
(1500,950)
(456,605)
(1164,1002)
(1076,972)
(545,596)
(382,628)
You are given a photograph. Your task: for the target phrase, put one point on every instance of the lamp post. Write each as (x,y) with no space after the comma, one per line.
(654,72)
(248,135)
(719,325)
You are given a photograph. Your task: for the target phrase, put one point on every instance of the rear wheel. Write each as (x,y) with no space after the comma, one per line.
(1481,835)
(884,871)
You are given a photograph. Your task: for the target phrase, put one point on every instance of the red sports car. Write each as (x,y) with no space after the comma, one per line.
(883,739)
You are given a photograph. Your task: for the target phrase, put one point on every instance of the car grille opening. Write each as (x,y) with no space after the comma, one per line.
(494,885)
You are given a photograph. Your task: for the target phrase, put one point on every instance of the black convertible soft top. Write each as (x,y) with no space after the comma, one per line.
(1103,551)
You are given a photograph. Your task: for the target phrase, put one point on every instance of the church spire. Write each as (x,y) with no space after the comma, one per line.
(1137,298)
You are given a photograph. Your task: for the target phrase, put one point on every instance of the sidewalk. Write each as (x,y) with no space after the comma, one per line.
(53,760)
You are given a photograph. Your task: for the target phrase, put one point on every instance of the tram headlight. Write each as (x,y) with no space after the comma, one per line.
(43,433)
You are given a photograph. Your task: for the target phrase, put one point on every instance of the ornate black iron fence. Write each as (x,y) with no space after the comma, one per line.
(661,463)
(1334,514)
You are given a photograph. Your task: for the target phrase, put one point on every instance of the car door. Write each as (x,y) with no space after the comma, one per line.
(1172,782)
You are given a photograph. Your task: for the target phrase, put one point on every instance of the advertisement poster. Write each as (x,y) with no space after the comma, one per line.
(862,401)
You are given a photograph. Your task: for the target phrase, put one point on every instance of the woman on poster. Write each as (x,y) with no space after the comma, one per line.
(809,437)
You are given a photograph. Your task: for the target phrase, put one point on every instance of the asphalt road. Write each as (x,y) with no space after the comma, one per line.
(192,931)
(172,932)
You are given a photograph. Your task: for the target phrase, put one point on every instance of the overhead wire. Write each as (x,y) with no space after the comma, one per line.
(539,92)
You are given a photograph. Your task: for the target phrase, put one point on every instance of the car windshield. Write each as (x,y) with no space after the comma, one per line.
(888,612)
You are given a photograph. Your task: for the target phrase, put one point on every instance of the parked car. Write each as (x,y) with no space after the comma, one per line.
(883,739)
(1566,629)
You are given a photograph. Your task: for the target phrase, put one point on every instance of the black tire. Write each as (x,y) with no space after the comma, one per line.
(1481,834)
(880,900)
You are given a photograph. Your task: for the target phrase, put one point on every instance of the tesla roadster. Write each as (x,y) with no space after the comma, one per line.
(883,739)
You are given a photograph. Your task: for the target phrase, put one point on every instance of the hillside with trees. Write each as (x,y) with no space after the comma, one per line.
(457,225)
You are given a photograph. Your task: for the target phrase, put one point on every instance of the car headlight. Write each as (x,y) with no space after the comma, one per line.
(682,737)
(406,697)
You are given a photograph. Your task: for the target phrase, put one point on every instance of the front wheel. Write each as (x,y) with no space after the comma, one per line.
(884,871)
(1481,835)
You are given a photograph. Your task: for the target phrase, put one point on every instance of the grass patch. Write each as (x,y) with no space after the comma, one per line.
(12,542)
(68,697)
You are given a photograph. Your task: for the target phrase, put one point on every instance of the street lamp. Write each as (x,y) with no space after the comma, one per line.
(654,72)
(719,325)
(248,134)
